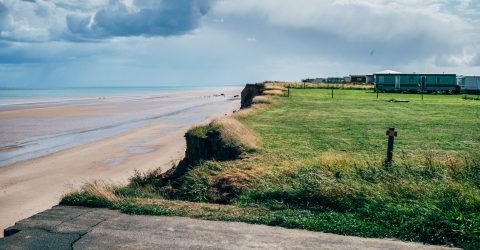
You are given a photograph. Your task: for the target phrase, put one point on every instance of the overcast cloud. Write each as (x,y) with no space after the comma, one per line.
(152,42)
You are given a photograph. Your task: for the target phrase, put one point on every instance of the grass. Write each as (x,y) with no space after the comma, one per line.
(261,100)
(233,132)
(471,97)
(274,92)
(320,167)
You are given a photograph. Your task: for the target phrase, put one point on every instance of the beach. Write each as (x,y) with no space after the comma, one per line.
(50,148)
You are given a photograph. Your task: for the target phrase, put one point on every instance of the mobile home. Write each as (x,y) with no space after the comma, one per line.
(416,82)
(319,80)
(358,78)
(469,84)
(335,80)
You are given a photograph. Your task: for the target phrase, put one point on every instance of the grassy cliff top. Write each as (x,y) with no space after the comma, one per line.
(320,167)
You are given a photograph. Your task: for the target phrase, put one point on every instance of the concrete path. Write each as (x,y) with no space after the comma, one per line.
(65,227)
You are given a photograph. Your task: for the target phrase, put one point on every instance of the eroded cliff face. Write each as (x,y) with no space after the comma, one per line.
(249,92)
(210,147)
(201,148)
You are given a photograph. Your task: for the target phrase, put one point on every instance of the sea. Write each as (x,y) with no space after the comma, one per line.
(13,96)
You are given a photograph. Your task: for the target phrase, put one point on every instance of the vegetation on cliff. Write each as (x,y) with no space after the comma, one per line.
(320,167)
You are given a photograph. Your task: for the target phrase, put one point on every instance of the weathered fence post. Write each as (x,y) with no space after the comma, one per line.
(424,81)
(391,133)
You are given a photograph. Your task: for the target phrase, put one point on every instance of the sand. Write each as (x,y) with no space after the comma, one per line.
(35,185)
(63,111)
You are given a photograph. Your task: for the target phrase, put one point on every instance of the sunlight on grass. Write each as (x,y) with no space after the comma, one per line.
(320,167)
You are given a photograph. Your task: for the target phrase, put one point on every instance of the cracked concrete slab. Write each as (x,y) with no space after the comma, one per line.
(38,239)
(64,227)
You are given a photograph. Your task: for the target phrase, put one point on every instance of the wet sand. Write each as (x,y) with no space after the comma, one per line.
(33,185)
(62,111)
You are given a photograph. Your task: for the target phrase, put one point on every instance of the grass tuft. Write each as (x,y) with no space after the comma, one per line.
(234,132)
(261,100)
(198,131)
(92,194)
(273,86)
(274,92)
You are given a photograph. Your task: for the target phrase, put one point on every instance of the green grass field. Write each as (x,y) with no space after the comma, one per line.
(320,167)
(355,122)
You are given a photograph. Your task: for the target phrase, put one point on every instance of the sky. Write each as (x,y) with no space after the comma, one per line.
(70,43)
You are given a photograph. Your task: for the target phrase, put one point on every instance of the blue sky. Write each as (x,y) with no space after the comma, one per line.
(63,43)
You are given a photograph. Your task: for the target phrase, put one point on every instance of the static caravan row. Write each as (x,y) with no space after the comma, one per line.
(416,82)
(358,78)
(469,84)
(335,80)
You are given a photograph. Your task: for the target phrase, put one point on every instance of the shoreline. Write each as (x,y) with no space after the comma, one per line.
(34,185)
(8,102)
(34,131)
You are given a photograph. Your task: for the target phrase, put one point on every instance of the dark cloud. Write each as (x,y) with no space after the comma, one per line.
(3,16)
(155,18)
(16,56)
(3,12)
(476,60)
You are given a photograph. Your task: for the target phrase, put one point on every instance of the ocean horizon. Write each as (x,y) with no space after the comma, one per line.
(15,96)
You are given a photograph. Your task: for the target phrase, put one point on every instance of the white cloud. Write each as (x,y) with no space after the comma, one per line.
(31,21)
(42,21)
(424,27)
(469,56)
(366,19)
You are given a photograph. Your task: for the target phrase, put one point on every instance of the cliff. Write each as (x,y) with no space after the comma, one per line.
(249,92)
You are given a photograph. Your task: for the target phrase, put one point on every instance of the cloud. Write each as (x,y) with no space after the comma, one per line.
(368,19)
(469,57)
(3,13)
(30,21)
(43,21)
(18,57)
(398,30)
(141,18)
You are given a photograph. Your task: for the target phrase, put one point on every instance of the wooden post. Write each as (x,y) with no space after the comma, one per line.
(332,91)
(288,92)
(391,133)
(422,92)
(424,81)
